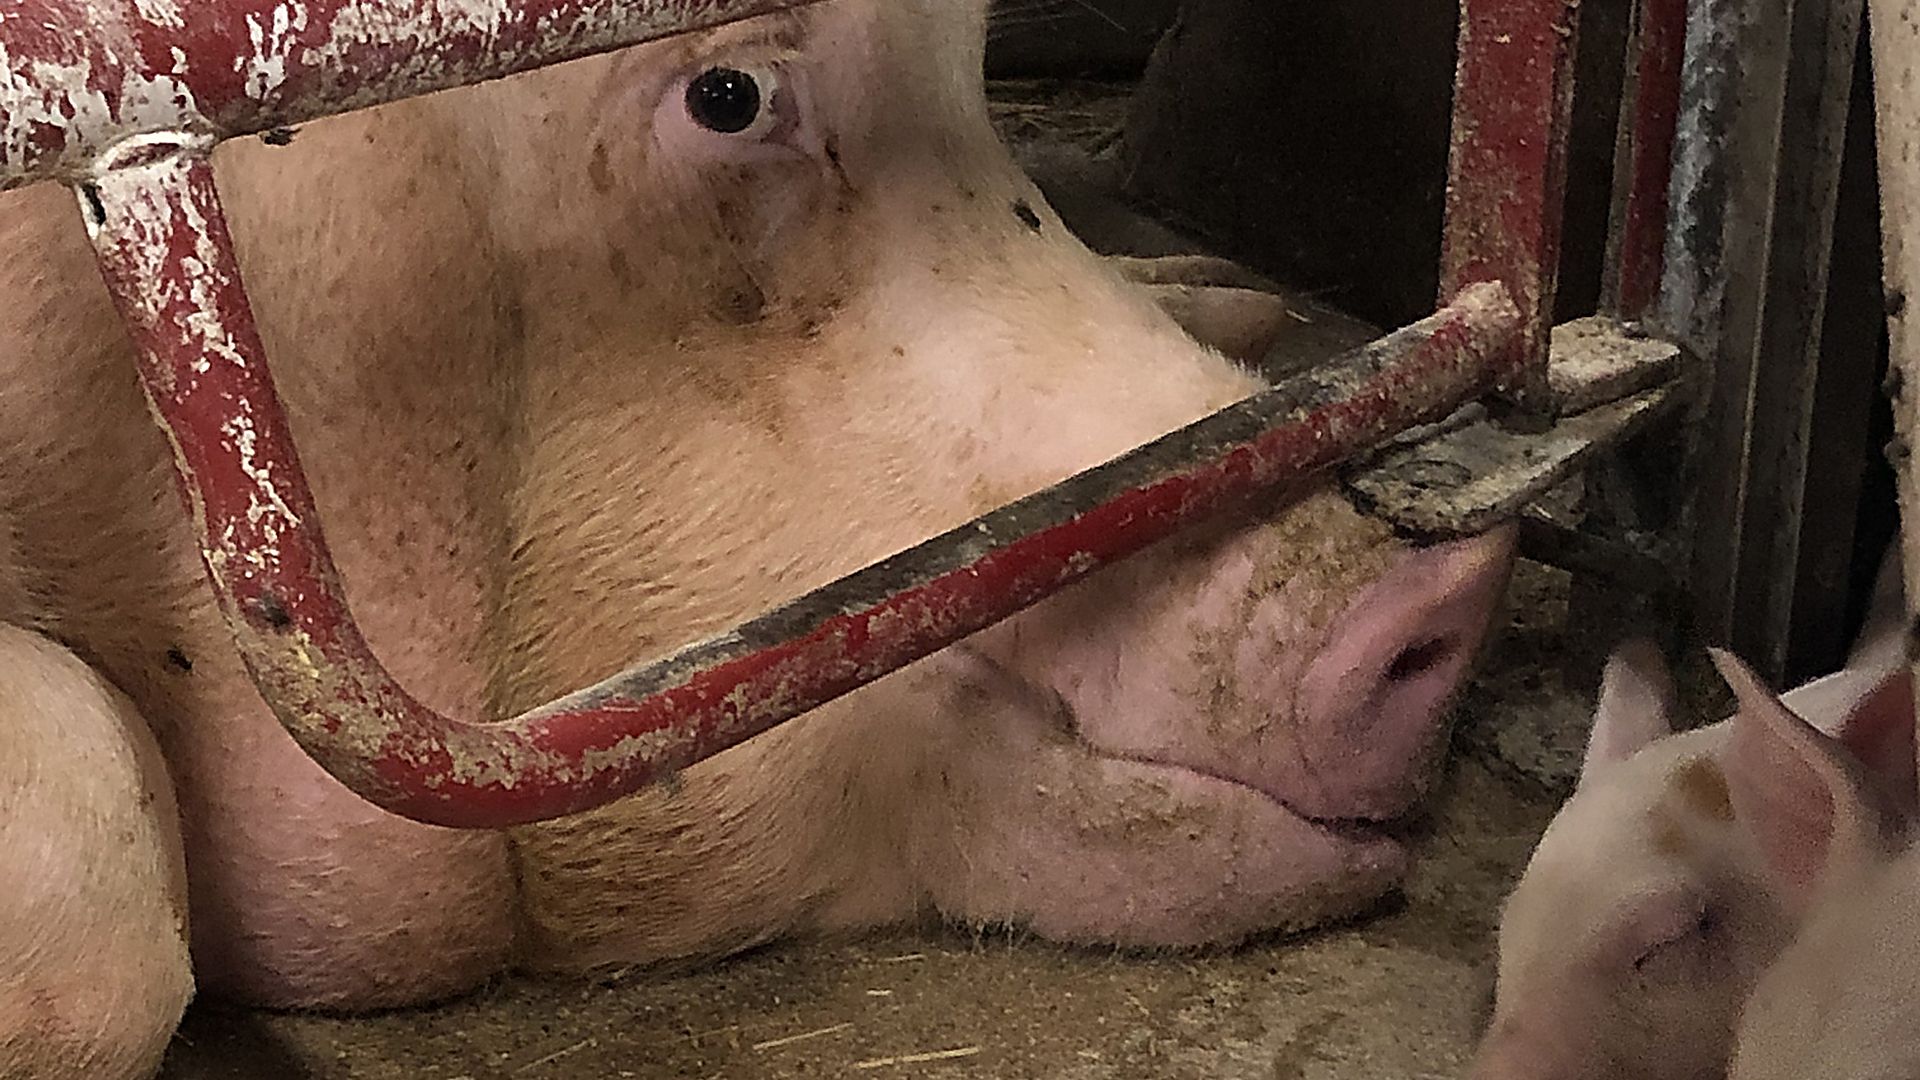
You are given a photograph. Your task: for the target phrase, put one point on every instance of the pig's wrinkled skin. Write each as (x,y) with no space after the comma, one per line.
(1653,903)
(577,380)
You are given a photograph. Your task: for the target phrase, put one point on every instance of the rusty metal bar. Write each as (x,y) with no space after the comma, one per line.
(1512,113)
(156,223)
(78,76)
(1769,86)
(1610,384)
(1649,118)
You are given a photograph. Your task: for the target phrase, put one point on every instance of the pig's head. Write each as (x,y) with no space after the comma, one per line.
(858,324)
(1677,871)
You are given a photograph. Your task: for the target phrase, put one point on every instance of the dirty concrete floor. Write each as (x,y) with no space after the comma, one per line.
(1392,995)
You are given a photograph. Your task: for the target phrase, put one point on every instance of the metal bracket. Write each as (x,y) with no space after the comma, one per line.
(1465,480)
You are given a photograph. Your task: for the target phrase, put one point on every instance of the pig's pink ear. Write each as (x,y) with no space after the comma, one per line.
(1879,732)
(1801,793)
(1636,705)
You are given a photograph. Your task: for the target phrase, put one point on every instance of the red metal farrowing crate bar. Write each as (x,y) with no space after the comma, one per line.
(124,100)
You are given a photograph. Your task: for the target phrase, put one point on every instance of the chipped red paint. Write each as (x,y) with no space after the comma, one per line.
(163,244)
(126,98)
(1636,245)
(78,76)
(1512,111)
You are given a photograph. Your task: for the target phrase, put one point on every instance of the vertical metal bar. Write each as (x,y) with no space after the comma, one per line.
(1649,117)
(1707,174)
(1694,275)
(1762,137)
(1896,70)
(1845,466)
(1897,85)
(1513,107)
(1626,491)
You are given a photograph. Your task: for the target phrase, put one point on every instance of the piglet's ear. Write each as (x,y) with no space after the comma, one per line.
(1802,794)
(1879,732)
(1636,706)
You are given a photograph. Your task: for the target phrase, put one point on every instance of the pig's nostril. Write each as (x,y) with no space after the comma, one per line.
(1417,660)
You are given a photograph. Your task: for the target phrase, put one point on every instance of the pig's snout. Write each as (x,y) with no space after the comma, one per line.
(1309,664)
(1370,717)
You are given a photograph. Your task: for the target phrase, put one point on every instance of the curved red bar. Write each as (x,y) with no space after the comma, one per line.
(155,220)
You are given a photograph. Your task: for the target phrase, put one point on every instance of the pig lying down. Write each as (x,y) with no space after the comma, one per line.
(596,361)
(1677,871)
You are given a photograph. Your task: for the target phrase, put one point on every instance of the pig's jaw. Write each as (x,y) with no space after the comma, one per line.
(978,804)
(805,829)
(1103,851)
(1030,825)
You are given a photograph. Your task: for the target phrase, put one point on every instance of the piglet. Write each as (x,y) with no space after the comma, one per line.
(1843,1000)
(1654,901)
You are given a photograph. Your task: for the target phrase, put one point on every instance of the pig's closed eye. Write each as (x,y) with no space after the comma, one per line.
(1703,927)
(733,101)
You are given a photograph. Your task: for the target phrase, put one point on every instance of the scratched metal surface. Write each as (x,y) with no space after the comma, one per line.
(1507,173)
(1649,122)
(78,76)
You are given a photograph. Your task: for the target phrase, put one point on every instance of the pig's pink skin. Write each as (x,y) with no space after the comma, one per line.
(1196,818)
(1843,1001)
(577,381)
(91,845)
(1368,704)
(1650,908)
(1247,864)
(1607,885)
(1344,729)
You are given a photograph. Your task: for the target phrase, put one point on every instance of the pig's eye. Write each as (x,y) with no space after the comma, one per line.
(730,101)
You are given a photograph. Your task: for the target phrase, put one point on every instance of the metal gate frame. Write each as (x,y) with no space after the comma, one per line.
(1773,463)
(124,100)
